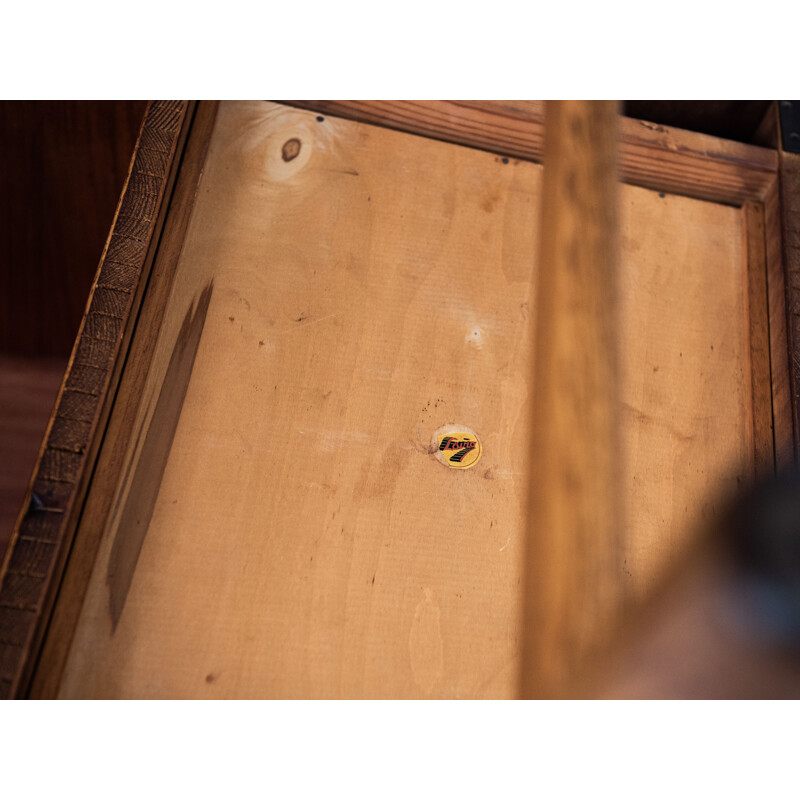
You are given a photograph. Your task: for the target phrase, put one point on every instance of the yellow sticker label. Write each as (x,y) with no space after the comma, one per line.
(458,449)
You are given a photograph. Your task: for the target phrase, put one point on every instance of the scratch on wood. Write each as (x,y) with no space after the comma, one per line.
(149,470)
(425,643)
(302,320)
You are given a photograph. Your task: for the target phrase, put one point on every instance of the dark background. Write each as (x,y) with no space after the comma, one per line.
(62,168)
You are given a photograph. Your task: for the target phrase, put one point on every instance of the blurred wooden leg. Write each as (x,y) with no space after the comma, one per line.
(573,573)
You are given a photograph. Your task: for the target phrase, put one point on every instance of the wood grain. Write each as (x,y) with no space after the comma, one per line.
(653,156)
(790,207)
(369,287)
(129,401)
(757,312)
(574,547)
(782,406)
(32,569)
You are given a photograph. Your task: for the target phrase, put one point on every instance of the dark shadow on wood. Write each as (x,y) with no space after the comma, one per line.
(149,469)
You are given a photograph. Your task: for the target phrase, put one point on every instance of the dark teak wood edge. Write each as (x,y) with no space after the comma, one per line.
(790,213)
(112,467)
(780,356)
(40,543)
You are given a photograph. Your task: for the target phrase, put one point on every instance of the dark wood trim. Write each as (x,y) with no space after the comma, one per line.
(41,541)
(121,431)
(783,427)
(790,217)
(664,159)
(757,315)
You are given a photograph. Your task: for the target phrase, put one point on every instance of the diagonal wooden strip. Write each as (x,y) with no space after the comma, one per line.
(790,196)
(66,460)
(121,425)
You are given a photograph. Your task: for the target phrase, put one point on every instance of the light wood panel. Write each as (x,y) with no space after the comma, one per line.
(342,293)
(687,406)
(790,197)
(783,401)
(108,471)
(754,249)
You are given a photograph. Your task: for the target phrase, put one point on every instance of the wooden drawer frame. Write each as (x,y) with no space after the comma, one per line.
(46,569)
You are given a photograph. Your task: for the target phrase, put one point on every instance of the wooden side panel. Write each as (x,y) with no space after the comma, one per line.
(110,466)
(782,407)
(39,546)
(790,195)
(344,291)
(755,253)
(363,293)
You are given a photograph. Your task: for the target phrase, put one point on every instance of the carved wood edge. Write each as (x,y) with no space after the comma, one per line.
(652,156)
(120,431)
(43,533)
(790,213)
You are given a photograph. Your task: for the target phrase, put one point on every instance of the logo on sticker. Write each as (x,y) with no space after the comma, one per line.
(459,450)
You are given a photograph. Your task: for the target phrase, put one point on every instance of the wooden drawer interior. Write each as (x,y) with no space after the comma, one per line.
(274,521)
